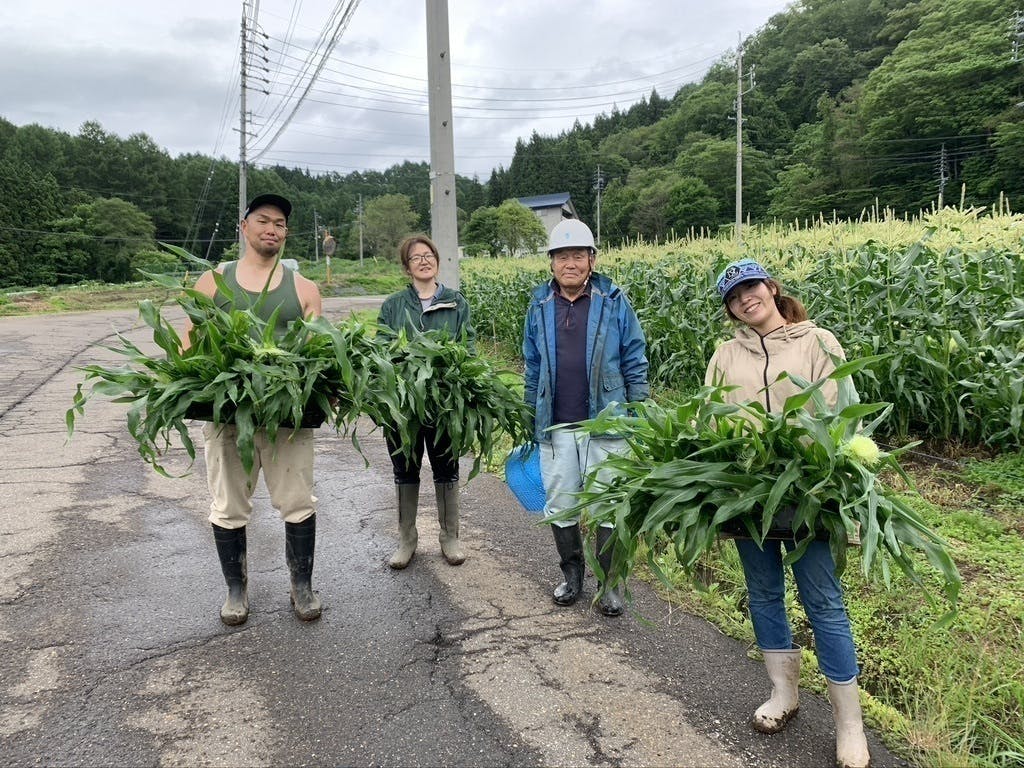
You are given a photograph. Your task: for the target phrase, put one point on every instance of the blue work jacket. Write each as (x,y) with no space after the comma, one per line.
(616,352)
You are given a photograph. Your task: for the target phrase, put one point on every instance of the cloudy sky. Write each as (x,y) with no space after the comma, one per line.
(171,70)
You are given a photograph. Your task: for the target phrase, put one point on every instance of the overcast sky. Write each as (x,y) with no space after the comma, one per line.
(171,70)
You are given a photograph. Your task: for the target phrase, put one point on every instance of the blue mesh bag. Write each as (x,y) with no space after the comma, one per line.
(522,473)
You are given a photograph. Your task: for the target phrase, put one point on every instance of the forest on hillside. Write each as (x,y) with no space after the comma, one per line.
(855,104)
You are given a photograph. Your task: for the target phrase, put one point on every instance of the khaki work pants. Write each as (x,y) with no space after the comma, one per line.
(287,471)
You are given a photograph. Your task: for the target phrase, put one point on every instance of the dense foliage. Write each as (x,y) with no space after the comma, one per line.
(940,297)
(92,206)
(905,102)
(236,371)
(856,101)
(437,382)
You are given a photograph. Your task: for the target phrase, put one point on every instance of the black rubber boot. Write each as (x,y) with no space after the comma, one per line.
(569,544)
(610,602)
(299,545)
(231,550)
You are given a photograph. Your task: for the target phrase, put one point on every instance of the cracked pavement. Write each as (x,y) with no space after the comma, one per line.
(113,651)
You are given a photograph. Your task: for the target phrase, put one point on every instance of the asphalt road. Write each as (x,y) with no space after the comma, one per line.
(113,652)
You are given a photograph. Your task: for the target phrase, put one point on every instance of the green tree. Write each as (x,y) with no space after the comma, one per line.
(481,232)
(518,229)
(510,228)
(691,205)
(28,202)
(650,215)
(617,205)
(948,83)
(713,161)
(386,221)
(99,241)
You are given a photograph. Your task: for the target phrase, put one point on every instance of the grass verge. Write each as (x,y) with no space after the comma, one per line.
(348,278)
(951,696)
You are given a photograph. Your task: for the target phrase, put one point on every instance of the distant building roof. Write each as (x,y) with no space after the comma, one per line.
(556,200)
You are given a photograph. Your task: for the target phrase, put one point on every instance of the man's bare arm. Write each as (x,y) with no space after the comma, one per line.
(309,297)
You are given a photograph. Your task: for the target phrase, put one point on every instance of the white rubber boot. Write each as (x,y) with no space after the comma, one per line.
(408,495)
(851,745)
(784,672)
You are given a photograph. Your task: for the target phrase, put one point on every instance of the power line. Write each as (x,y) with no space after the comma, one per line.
(341,24)
(399,92)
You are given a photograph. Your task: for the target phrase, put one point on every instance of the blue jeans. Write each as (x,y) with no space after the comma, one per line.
(820,593)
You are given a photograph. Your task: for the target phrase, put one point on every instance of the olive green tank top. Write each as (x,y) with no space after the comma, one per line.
(284,296)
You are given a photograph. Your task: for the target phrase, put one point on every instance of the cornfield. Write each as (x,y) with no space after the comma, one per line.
(939,296)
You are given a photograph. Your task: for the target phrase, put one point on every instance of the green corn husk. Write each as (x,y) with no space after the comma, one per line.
(697,465)
(437,382)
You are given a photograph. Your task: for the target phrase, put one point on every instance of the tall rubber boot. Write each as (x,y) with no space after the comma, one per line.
(610,602)
(784,672)
(851,744)
(448,517)
(231,551)
(569,544)
(299,546)
(408,499)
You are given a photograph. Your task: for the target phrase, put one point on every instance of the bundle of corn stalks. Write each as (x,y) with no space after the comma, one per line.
(440,384)
(238,370)
(703,467)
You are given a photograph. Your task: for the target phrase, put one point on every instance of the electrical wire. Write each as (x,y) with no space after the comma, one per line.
(339,30)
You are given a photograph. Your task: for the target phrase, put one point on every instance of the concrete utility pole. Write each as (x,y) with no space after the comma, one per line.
(316,236)
(242,133)
(443,211)
(1017,35)
(739,137)
(739,143)
(359,214)
(599,185)
(943,175)
(213,237)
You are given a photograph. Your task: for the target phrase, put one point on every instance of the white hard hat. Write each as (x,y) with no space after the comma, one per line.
(571,233)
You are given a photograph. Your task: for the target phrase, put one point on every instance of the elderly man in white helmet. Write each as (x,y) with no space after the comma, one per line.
(584,349)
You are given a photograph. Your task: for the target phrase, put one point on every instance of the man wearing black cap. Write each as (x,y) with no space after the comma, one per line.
(287,464)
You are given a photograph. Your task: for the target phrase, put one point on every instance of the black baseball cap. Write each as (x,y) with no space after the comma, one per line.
(275,200)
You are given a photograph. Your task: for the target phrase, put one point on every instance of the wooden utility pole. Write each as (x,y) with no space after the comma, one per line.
(443,211)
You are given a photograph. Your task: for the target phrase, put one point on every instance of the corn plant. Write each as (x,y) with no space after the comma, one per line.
(235,371)
(702,466)
(435,381)
(939,296)
(238,370)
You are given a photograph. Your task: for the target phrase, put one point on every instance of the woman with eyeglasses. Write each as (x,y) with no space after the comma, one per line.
(426,304)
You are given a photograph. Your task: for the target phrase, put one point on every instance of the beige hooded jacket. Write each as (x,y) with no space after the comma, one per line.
(753,363)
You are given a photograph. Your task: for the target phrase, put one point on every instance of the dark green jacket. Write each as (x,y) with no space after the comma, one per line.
(449,310)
